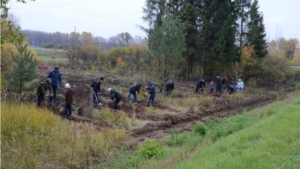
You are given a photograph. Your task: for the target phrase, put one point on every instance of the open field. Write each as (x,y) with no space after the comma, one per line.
(54,59)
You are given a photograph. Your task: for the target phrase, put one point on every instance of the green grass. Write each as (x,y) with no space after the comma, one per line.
(49,52)
(266,137)
(49,59)
(273,142)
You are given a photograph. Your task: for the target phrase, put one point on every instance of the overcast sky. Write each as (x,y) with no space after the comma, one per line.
(107,18)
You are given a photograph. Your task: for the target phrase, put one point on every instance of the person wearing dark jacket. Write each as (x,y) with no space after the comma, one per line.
(231,89)
(69,101)
(42,90)
(114,95)
(96,85)
(132,91)
(151,89)
(55,77)
(218,84)
(224,82)
(169,86)
(200,85)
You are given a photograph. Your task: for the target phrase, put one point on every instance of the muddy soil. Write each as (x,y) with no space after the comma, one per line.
(161,125)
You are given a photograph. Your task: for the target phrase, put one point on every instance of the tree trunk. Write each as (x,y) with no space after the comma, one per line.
(203,69)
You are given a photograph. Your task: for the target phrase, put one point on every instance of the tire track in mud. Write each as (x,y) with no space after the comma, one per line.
(185,122)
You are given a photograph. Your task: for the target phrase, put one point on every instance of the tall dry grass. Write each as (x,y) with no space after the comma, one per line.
(36,138)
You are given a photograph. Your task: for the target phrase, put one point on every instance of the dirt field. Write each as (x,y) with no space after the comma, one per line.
(159,126)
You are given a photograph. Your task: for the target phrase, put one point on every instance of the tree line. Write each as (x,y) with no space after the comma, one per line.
(60,40)
(214,33)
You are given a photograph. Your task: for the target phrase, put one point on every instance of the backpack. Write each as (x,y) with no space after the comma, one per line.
(94,82)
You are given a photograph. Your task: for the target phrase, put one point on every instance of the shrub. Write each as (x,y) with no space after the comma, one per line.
(175,92)
(205,101)
(177,139)
(237,96)
(199,129)
(117,119)
(150,148)
(191,101)
(298,86)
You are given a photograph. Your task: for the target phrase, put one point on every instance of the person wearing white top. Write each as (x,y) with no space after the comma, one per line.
(240,86)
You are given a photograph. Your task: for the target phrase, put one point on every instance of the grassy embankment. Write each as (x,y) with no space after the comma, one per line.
(36,138)
(273,142)
(267,137)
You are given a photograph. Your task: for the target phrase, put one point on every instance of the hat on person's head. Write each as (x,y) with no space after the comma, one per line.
(239,80)
(149,83)
(67,85)
(109,89)
(48,80)
(101,78)
(56,67)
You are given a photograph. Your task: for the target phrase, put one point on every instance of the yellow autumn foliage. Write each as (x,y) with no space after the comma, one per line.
(6,56)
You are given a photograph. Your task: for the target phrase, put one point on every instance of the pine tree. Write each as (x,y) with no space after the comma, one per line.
(242,7)
(24,71)
(217,32)
(167,44)
(154,12)
(256,34)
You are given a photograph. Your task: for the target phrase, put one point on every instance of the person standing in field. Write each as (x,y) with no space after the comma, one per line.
(218,84)
(69,101)
(96,85)
(211,87)
(240,86)
(55,77)
(151,89)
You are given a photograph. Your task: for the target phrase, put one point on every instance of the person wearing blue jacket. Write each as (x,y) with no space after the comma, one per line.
(230,89)
(240,86)
(151,89)
(55,77)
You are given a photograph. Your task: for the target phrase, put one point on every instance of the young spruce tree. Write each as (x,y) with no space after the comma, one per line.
(24,71)
(167,43)
(256,34)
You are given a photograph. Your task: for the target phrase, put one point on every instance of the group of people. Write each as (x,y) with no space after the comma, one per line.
(220,83)
(51,84)
(48,87)
(54,80)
